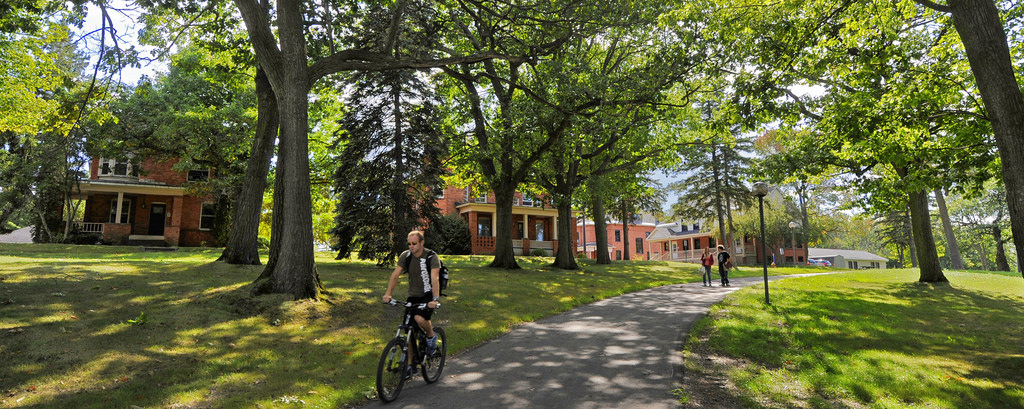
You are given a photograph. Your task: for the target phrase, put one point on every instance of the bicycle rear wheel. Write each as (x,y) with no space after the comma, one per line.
(434,364)
(391,370)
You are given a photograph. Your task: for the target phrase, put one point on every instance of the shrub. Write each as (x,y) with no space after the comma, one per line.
(450,235)
(539,253)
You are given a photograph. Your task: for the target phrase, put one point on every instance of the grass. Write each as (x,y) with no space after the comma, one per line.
(101,326)
(872,339)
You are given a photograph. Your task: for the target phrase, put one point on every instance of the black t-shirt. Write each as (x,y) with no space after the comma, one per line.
(722,257)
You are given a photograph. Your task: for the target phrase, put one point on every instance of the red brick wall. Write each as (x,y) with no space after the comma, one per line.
(155,170)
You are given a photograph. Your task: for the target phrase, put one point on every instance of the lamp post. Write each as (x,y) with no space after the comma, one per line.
(792,240)
(761,190)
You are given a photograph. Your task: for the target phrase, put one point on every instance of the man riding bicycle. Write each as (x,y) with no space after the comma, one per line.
(423,287)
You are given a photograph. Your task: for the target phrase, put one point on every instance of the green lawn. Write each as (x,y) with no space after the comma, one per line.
(101,327)
(871,339)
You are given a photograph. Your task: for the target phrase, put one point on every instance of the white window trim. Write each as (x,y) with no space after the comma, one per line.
(112,164)
(527,201)
(126,212)
(201,216)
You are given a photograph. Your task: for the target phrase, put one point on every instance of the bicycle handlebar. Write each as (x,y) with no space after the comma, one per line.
(407,304)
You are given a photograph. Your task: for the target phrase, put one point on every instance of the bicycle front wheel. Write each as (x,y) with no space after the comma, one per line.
(391,370)
(434,364)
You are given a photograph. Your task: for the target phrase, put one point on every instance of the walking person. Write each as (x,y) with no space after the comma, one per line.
(706,261)
(724,264)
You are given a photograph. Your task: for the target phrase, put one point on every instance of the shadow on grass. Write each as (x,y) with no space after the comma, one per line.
(905,343)
(160,334)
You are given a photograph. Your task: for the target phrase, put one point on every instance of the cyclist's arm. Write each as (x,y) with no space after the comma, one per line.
(435,288)
(392,282)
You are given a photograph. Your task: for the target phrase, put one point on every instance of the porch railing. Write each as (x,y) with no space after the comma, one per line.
(88,227)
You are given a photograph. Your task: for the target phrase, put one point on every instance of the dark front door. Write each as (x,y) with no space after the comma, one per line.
(157,219)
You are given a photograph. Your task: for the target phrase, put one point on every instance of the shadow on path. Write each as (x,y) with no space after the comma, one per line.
(621,352)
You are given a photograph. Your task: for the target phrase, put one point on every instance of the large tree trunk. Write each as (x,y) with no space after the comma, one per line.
(565,256)
(981,31)
(399,195)
(293,270)
(1001,263)
(947,230)
(504,253)
(931,271)
(243,247)
(601,232)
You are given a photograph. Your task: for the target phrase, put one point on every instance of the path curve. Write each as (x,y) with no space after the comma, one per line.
(620,352)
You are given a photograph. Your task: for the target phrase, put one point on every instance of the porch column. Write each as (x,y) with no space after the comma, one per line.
(526,227)
(120,201)
(494,224)
(554,228)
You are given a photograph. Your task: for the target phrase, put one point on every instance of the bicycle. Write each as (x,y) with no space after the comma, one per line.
(394,361)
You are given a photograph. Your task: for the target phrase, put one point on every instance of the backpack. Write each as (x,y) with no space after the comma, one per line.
(442,275)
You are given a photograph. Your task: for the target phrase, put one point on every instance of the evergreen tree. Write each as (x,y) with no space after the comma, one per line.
(389,164)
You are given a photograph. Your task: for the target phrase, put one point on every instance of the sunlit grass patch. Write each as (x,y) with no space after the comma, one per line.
(873,339)
(100,326)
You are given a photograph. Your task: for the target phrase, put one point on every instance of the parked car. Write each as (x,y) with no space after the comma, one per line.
(818,262)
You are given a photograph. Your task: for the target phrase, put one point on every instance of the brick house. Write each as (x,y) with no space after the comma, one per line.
(640,229)
(686,242)
(143,203)
(535,222)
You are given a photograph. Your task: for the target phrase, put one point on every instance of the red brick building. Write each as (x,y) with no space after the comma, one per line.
(535,222)
(685,242)
(129,203)
(640,228)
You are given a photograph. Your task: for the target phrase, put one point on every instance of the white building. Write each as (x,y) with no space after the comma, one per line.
(854,259)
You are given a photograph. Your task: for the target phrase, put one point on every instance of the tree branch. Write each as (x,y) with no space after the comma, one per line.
(934,6)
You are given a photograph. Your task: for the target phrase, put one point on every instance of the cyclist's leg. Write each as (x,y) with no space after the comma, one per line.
(425,324)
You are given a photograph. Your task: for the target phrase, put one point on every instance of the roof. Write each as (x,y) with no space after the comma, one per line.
(847,254)
(672,231)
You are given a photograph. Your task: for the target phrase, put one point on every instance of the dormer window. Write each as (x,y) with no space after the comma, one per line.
(527,201)
(117,167)
(198,175)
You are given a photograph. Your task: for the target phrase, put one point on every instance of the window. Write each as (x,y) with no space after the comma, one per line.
(117,167)
(686,245)
(665,246)
(481,199)
(639,245)
(515,201)
(618,254)
(206,219)
(851,264)
(198,175)
(125,213)
(440,195)
(696,244)
(684,227)
(618,236)
(483,226)
(527,201)
(696,227)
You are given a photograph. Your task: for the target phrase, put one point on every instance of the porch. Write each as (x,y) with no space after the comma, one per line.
(129,213)
(535,228)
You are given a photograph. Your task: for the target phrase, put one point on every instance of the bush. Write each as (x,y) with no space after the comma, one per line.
(78,237)
(450,235)
(263,243)
(538,253)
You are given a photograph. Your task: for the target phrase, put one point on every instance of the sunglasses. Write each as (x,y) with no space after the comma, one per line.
(413,244)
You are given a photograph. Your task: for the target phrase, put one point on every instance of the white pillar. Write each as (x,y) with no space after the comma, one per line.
(120,201)
(554,228)
(526,226)
(494,224)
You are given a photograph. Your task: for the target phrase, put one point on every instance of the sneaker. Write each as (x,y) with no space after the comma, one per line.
(409,372)
(431,345)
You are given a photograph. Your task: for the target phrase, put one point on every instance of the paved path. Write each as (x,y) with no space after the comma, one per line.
(621,352)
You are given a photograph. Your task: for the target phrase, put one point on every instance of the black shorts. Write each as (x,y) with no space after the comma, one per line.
(425,313)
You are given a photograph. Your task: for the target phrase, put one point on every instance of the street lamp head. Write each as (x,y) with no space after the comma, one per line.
(792,225)
(760,189)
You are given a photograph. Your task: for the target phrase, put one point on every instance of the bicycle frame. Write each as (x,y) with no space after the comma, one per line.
(409,327)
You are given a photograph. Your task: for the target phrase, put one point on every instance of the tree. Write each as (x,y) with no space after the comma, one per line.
(947,230)
(389,165)
(293,63)
(981,30)
(985,213)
